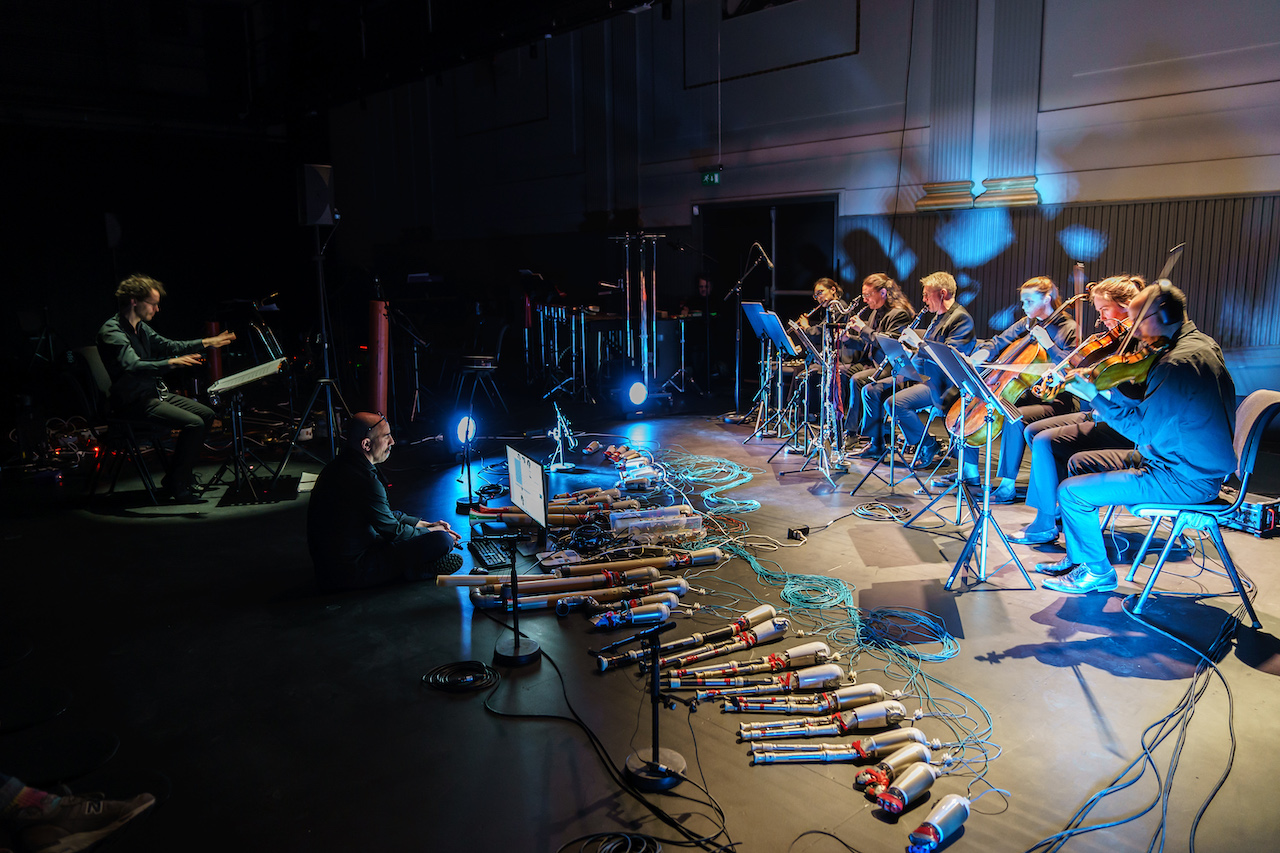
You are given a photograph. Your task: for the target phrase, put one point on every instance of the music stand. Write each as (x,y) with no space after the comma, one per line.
(899,360)
(942,356)
(767,326)
(753,311)
(958,367)
(232,388)
(820,447)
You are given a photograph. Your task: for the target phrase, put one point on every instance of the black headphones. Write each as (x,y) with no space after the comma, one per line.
(1169,312)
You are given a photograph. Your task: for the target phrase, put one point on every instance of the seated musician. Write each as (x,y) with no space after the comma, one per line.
(952,326)
(1183,429)
(886,311)
(1054,440)
(1057,336)
(354,537)
(136,357)
(832,308)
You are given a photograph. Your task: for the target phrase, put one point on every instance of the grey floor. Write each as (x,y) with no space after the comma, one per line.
(269,717)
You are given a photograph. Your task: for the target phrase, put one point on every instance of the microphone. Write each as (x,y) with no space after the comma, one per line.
(765,255)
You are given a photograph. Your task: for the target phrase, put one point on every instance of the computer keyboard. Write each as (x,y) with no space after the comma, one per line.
(490,553)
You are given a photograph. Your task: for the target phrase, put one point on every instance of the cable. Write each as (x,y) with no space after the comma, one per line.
(462,677)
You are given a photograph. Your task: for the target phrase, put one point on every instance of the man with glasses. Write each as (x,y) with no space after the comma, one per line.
(136,357)
(356,540)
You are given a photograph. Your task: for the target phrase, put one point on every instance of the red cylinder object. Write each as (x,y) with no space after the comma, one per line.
(211,330)
(379,337)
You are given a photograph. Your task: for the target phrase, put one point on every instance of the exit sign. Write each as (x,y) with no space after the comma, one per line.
(710,177)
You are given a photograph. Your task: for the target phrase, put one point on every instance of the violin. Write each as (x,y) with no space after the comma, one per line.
(1124,367)
(1093,349)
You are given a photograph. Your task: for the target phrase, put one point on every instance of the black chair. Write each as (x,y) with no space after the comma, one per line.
(119,439)
(1252,418)
(479,370)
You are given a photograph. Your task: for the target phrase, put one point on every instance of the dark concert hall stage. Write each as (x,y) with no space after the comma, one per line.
(195,659)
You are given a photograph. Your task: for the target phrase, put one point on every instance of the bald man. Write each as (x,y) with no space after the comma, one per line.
(356,540)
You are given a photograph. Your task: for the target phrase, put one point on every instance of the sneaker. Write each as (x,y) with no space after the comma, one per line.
(1082,579)
(1035,537)
(446,565)
(1058,569)
(76,823)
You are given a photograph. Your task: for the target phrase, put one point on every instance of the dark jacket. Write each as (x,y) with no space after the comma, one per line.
(1187,416)
(135,360)
(349,516)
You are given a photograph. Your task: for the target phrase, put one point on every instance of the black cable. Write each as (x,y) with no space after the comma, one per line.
(462,677)
(691,838)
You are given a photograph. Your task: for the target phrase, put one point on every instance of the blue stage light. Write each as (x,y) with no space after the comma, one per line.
(637,393)
(466,431)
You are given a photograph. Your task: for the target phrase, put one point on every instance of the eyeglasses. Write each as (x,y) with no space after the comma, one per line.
(155,304)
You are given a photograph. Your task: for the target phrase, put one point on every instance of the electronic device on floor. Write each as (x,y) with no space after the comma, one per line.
(490,553)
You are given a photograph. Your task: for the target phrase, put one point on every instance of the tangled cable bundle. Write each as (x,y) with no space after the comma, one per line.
(719,475)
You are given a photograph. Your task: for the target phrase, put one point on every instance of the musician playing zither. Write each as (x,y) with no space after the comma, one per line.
(1054,441)
(885,311)
(1048,328)
(1183,428)
(951,325)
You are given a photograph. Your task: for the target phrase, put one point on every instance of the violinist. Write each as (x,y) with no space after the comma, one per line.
(951,325)
(1183,429)
(1054,440)
(886,312)
(1044,326)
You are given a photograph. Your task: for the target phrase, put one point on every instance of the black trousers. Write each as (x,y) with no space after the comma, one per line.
(407,560)
(191,418)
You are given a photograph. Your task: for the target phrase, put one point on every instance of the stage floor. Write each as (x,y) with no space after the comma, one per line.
(268,717)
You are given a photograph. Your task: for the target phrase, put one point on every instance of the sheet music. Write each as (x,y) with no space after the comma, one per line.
(244,377)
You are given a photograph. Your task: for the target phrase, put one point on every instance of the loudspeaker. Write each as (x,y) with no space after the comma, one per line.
(315,195)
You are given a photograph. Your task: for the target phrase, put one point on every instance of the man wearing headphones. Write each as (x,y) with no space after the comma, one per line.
(354,537)
(1183,429)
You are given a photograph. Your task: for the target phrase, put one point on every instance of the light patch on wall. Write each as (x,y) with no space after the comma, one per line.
(1082,243)
(967,288)
(973,237)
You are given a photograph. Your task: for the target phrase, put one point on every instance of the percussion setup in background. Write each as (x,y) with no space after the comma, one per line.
(584,352)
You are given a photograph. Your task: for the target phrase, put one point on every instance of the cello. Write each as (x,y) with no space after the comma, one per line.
(1009,382)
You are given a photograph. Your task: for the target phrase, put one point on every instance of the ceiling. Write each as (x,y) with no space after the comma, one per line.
(248,65)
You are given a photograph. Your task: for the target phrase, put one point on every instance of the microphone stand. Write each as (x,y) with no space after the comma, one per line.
(737,340)
(516,650)
(664,769)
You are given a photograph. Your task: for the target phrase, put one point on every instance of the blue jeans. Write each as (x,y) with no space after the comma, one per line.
(1118,478)
(1053,442)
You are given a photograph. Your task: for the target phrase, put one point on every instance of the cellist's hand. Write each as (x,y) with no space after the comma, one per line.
(1042,337)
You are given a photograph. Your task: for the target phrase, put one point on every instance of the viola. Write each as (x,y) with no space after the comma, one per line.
(1124,367)
(1093,349)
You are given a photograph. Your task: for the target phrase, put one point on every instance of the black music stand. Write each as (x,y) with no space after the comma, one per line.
(767,327)
(939,354)
(959,368)
(899,361)
(242,484)
(818,448)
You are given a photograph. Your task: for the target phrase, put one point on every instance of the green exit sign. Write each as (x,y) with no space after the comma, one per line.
(710,177)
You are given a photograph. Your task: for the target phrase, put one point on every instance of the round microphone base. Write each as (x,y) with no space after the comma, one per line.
(466,503)
(561,467)
(650,777)
(511,650)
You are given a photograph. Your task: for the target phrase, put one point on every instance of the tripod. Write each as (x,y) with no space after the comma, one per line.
(326,383)
(895,456)
(963,498)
